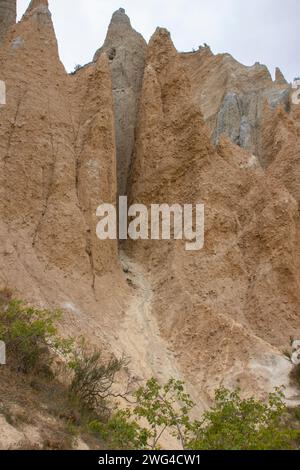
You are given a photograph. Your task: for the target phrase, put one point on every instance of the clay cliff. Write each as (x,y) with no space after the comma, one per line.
(58,161)
(161,127)
(226,309)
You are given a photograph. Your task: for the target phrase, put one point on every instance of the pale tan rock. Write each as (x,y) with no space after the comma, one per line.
(54,163)
(57,164)
(10,437)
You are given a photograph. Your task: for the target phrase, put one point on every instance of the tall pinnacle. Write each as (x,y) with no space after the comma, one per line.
(126,51)
(118,31)
(8,15)
(36,3)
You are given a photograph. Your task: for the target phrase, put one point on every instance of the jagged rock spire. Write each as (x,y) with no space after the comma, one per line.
(279,77)
(38,12)
(36,3)
(37,6)
(161,41)
(126,51)
(8,15)
(119,28)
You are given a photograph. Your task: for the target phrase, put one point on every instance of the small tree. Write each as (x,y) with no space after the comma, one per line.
(166,408)
(158,409)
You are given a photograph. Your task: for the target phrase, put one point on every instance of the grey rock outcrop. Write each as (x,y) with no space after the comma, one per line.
(126,50)
(229,118)
(8,15)
(240,115)
(231,96)
(278,97)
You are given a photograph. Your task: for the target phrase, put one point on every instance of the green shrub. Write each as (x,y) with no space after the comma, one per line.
(232,423)
(121,432)
(236,424)
(30,336)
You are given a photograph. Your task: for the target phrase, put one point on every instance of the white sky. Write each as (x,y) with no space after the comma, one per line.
(260,30)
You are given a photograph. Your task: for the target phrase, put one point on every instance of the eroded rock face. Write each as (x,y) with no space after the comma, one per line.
(231,96)
(281,146)
(228,309)
(57,156)
(126,50)
(224,313)
(8,15)
(229,121)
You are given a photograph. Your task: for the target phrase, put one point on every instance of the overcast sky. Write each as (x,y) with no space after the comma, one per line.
(261,30)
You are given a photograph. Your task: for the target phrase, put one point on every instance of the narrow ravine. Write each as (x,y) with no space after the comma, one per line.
(139,335)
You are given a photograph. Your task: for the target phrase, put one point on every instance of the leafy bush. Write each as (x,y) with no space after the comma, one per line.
(231,424)
(94,379)
(121,432)
(236,424)
(30,335)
